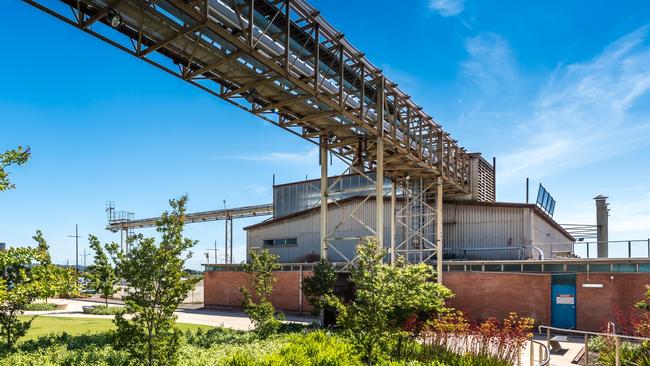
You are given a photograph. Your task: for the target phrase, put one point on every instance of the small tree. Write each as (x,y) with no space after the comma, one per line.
(47,276)
(260,309)
(18,156)
(385,298)
(18,288)
(319,285)
(154,274)
(101,273)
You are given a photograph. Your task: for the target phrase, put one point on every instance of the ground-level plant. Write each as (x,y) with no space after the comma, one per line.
(386,298)
(108,310)
(101,273)
(257,305)
(157,286)
(40,306)
(18,289)
(227,347)
(320,285)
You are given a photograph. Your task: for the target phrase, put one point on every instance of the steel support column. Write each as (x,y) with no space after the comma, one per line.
(379,178)
(393,222)
(324,185)
(439,216)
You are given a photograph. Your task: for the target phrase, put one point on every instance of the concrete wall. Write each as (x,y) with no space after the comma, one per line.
(222,290)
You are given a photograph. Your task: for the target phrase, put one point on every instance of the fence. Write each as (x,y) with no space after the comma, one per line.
(586,334)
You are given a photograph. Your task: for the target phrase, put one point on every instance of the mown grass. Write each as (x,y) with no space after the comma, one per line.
(44,325)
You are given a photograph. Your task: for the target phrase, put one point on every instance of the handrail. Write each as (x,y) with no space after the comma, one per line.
(543,349)
(617,340)
(586,332)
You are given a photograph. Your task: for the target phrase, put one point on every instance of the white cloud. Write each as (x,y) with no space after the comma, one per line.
(302,157)
(582,115)
(491,64)
(447,8)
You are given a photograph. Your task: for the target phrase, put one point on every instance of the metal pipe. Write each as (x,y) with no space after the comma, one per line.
(586,349)
(439,217)
(393,222)
(323,197)
(379,176)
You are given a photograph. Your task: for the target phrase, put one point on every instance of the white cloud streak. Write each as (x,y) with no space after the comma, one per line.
(303,157)
(447,8)
(582,115)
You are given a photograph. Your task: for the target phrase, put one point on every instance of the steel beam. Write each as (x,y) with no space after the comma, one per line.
(324,185)
(439,218)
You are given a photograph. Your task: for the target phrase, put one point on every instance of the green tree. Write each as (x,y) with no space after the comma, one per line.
(17,290)
(47,276)
(385,297)
(259,308)
(320,284)
(101,273)
(154,273)
(18,156)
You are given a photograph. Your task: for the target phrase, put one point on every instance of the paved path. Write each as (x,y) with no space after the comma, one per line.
(226,318)
(573,346)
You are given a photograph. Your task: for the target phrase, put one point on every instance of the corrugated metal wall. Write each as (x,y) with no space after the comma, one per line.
(473,232)
(300,196)
(485,232)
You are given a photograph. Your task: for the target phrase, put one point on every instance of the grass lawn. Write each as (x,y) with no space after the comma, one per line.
(43,325)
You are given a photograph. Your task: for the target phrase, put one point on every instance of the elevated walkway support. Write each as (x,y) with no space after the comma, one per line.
(283,62)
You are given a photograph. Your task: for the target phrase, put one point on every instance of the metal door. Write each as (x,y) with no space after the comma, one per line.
(563,305)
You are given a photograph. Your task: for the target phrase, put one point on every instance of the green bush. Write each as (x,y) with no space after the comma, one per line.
(40,306)
(632,354)
(108,310)
(227,347)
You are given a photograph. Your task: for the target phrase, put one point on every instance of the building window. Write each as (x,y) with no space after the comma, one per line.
(276,242)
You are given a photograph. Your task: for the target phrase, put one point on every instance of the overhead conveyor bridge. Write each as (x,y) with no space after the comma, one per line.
(283,62)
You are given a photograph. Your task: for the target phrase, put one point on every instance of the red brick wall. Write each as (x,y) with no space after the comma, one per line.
(596,306)
(480,294)
(486,294)
(222,290)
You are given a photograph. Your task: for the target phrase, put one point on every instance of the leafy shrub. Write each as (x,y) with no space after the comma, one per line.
(219,335)
(259,307)
(320,284)
(108,310)
(491,338)
(316,348)
(40,306)
(237,348)
(386,298)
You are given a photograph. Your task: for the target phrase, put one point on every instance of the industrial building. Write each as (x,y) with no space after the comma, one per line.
(407,181)
(472,229)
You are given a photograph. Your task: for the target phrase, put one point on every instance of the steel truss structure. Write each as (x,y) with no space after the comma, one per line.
(125,223)
(283,62)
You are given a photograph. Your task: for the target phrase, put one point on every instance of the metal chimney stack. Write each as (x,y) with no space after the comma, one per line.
(602,218)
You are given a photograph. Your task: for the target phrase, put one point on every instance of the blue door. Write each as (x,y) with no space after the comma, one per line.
(563,305)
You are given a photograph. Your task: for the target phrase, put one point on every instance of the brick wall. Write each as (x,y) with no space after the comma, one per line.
(222,290)
(486,294)
(596,306)
(480,294)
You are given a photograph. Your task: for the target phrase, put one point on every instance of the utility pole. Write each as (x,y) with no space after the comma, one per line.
(85,255)
(76,246)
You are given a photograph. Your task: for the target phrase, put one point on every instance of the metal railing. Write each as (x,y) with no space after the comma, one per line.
(628,247)
(543,354)
(586,334)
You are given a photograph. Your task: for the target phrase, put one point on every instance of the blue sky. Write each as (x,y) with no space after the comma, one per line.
(557,91)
